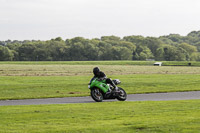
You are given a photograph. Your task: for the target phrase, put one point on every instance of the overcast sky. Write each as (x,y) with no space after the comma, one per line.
(46,19)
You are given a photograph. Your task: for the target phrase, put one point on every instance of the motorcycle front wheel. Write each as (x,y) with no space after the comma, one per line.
(122,96)
(96,94)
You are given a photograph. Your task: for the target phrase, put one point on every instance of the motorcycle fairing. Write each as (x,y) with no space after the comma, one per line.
(99,84)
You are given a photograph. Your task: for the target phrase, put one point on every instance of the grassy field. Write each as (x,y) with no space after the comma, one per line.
(79,70)
(21,87)
(21,81)
(108,117)
(123,62)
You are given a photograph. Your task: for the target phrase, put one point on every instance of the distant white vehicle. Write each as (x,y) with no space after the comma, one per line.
(158,64)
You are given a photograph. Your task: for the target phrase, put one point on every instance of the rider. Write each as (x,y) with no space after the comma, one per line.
(100,75)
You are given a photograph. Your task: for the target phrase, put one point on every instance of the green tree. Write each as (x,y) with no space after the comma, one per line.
(128,45)
(110,38)
(175,38)
(142,53)
(5,54)
(134,39)
(105,51)
(41,52)
(160,54)
(171,53)
(121,53)
(26,52)
(76,52)
(152,43)
(90,52)
(59,39)
(56,50)
(189,48)
(14,47)
(195,56)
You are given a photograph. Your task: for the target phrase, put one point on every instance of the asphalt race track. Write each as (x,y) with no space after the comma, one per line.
(131,97)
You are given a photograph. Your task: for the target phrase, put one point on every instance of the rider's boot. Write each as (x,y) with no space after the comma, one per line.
(108,93)
(115,88)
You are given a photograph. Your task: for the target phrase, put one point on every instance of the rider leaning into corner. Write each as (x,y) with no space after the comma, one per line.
(101,76)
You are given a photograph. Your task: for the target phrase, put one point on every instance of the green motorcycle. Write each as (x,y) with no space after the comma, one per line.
(99,89)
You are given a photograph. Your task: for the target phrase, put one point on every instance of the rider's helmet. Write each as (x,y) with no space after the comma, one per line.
(96,70)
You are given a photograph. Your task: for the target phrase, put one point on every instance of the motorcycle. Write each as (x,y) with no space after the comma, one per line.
(99,87)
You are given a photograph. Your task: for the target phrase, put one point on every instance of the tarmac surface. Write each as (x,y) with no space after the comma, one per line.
(88,99)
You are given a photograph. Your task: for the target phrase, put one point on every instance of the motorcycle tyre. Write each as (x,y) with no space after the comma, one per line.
(122,98)
(92,93)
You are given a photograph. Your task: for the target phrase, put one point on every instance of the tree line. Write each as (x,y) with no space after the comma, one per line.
(173,47)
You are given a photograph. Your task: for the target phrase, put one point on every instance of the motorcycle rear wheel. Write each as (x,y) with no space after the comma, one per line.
(122,96)
(96,95)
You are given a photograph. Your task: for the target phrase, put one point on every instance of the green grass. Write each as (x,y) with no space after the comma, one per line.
(123,62)
(22,81)
(76,70)
(117,62)
(146,116)
(23,87)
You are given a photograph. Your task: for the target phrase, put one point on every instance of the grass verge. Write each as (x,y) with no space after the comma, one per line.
(117,62)
(145,116)
(23,87)
(23,80)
